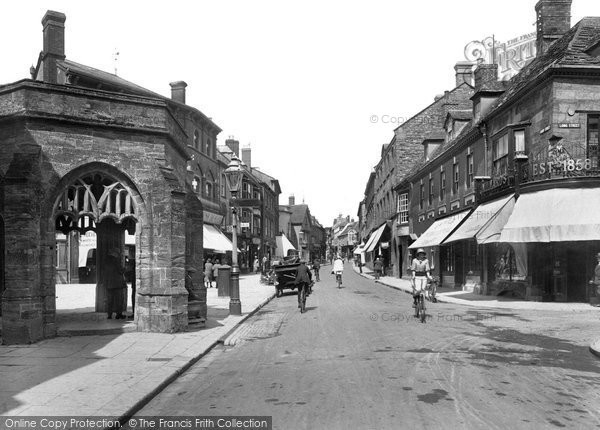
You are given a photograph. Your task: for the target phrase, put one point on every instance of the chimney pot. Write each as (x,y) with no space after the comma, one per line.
(292,200)
(464,72)
(178,91)
(247,156)
(234,145)
(553,21)
(53,24)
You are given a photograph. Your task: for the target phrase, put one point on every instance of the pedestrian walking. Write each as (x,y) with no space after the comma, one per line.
(378,267)
(216,267)
(116,288)
(208,273)
(595,282)
(316,267)
(256,265)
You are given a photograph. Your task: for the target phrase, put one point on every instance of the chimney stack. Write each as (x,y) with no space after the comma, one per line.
(178,91)
(247,156)
(54,44)
(553,21)
(464,72)
(485,74)
(292,200)
(234,145)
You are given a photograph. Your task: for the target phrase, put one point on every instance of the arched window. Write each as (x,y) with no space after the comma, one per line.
(196,182)
(208,144)
(197,140)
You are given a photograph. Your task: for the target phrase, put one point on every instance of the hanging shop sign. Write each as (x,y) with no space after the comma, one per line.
(385,245)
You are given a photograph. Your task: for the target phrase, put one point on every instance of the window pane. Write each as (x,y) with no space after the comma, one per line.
(520,141)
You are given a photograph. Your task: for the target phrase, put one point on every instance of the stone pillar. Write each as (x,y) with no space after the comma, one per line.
(22,320)
(162,304)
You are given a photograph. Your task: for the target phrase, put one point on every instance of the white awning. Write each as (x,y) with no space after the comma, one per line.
(215,240)
(490,233)
(283,246)
(478,219)
(359,249)
(374,239)
(555,215)
(439,230)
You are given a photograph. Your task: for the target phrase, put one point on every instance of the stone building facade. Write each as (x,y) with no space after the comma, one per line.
(85,150)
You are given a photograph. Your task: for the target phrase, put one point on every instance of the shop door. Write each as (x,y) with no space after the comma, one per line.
(459,255)
(576,273)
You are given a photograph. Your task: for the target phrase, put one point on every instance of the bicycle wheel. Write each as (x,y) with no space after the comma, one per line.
(302,299)
(422,308)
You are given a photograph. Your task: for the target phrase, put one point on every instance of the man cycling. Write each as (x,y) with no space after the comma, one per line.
(421,274)
(303,280)
(338,268)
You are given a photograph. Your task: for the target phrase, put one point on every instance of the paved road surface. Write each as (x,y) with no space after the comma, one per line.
(358,359)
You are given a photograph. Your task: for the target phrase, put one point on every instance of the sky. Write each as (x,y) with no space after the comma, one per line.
(315,87)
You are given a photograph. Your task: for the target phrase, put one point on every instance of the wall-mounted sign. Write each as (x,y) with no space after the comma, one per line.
(510,56)
(564,166)
(385,245)
(212,218)
(569,125)
(245,225)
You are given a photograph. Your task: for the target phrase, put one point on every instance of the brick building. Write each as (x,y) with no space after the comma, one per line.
(86,150)
(510,203)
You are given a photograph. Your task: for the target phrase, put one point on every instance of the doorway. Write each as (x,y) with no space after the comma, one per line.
(98,212)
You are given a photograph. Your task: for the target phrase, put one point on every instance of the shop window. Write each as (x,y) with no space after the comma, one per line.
(403,208)
(593,150)
(448,263)
(510,262)
(500,156)
(469,170)
(442,185)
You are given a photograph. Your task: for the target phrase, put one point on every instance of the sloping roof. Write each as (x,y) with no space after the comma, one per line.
(108,78)
(119,84)
(461,115)
(568,51)
(435,135)
(298,213)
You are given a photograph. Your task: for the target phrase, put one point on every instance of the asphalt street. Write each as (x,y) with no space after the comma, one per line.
(358,359)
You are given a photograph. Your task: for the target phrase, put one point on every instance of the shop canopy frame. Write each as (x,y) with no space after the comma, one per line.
(374,239)
(554,215)
(485,222)
(440,230)
(215,240)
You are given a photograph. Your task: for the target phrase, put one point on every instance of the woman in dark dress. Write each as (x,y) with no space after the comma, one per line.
(115,285)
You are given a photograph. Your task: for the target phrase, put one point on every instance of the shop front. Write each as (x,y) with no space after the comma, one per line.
(546,251)
(448,258)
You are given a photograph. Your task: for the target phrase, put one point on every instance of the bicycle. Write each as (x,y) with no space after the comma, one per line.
(303,291)
(420,307)
(432,289)
(338,279)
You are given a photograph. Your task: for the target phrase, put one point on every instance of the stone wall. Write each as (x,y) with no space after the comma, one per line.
(51,135)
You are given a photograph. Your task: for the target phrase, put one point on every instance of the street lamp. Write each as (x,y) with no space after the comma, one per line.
(233,176)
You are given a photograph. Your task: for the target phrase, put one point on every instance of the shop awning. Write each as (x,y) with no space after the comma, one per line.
(439,230)
(283,246)
(555,215)
(374,239)
(478,219)
(359,249)
(215,240)
(490,232)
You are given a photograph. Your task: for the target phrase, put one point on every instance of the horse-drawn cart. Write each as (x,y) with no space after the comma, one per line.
(285,275)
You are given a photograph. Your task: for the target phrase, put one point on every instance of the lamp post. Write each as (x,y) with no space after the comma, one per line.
(233,176)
